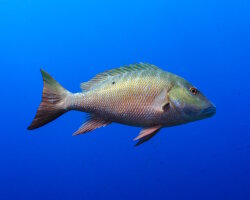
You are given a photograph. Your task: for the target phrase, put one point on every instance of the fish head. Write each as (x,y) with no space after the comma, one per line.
(188,102)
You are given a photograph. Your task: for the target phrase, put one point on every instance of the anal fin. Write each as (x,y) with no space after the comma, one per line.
(147,133)
(91,124)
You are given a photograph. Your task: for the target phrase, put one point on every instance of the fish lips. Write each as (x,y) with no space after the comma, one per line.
(210,111)
(196,114)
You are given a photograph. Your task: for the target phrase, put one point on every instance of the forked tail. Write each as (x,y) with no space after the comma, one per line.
(53,103)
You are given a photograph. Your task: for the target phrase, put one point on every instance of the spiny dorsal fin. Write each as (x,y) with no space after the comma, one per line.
(125,69)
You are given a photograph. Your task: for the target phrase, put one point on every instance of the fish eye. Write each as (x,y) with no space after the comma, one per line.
(193,90)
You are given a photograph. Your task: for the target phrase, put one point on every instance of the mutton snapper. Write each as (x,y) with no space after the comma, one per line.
(140,95)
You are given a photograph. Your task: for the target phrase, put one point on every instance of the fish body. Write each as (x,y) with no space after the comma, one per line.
(140,95)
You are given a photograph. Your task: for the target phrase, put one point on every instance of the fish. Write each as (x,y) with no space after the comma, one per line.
(140,95)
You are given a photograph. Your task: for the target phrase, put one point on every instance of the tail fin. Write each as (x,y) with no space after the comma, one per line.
(53,102)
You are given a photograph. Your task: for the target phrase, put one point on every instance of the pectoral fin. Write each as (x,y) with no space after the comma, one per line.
(91,124)
(161,102)
(147,133)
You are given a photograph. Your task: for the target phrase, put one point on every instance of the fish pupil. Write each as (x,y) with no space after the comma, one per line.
(193,90)
(113,82)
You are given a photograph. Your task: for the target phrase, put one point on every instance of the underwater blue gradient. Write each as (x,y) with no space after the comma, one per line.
(206,42)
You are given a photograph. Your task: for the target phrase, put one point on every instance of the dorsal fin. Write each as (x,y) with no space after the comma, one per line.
(125,69)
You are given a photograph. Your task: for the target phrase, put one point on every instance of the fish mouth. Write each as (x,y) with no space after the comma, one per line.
(210,111)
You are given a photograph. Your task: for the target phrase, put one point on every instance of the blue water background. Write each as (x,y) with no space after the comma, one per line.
(206,42)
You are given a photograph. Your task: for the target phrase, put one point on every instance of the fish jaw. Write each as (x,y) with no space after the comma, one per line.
(209,111)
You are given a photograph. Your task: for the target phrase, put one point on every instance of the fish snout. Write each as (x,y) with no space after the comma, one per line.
(209,111)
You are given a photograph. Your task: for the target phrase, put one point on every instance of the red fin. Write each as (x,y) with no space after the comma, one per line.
(52,105)
(147,133)
(92,124)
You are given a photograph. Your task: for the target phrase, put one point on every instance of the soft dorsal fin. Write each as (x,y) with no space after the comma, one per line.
(125,69)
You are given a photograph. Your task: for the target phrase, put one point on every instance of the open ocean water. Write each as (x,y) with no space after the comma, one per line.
(206,42)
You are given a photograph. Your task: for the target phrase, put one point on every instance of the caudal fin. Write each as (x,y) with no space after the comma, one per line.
(53,102)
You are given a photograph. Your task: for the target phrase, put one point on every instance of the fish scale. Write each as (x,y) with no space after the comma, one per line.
(138,95)
(127,96)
